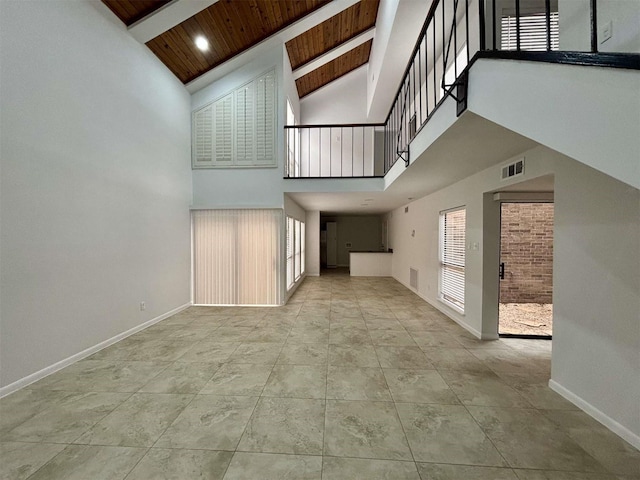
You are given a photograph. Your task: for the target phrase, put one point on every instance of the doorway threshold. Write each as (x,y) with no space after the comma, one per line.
(526,337)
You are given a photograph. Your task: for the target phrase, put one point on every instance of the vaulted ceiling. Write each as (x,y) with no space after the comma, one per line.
(328,47)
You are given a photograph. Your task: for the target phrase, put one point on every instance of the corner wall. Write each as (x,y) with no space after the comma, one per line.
(95,185)
(596,276)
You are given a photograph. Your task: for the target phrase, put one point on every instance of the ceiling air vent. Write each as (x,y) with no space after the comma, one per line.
(513,169)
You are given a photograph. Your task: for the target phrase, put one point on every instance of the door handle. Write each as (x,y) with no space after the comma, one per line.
(501,271)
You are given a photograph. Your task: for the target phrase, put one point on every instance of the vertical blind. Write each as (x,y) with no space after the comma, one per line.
(452,257)
(237,257)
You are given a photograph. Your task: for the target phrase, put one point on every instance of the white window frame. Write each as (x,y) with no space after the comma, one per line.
(450,292)
(295,250)
(232,141)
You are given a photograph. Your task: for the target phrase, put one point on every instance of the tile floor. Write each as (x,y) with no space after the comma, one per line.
(352,379)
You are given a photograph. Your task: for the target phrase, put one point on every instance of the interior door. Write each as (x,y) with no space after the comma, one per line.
(332,244)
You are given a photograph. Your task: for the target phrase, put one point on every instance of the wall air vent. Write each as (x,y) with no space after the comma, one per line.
(413,278)
(513,169)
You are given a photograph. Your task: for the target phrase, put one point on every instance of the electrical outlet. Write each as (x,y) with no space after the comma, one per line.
(143,306)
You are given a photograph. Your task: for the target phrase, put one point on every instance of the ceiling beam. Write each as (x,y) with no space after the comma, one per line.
(166,18)
(278,39)
(334,53)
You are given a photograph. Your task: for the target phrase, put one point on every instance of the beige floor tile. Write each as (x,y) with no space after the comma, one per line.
(435,339)
(179,464)
(19,460)
(256,353)
(304,354)
(434,471)
(268,335)
(357,383)
(364,429)
(614,453)
(483,388)
(391,337)
(527,439)
(447,434)
(556,475)
(68,419)
(83,462)
(271,466)
(238,379)
(103,376)
(159,351)
(138,422)
(308,335)
(209,351)
(230,334)
(383,324)
(402,357)
(353,355)
(348,335)
(209,422)
(25,404)
(297,381)
(182,377)
(458,359)
(335,468)
(309,321)
(419,386)
(285,425)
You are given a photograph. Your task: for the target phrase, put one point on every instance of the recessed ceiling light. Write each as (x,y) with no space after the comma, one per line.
(202,43)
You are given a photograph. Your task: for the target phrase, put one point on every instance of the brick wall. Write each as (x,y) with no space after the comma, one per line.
(526,248)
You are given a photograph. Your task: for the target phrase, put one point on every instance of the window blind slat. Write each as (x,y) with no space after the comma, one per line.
(452,262)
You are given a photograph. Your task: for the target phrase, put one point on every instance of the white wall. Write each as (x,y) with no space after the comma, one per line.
(596,325)
(95,188)
(244,187)
(596,275)
(312,261)
(340,102)
(364,232)
(575,27)
(606,100)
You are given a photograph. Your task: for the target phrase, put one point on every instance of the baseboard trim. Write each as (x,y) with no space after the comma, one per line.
(601,417)
(34,377)
(468,328)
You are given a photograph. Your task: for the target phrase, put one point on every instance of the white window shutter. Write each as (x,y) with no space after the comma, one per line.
(244,122)
(265,119)
(223,131)
(202,137)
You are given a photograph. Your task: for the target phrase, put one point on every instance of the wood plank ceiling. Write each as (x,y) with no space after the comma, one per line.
(233,26)
(340,28)
(130,11)
(333,70)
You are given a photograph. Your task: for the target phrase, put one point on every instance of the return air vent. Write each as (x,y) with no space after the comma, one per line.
(513,169)
(413,278)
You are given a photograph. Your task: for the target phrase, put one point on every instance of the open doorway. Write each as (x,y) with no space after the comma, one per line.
(526,270)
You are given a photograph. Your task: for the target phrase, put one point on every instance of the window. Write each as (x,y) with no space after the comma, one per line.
(238,129)
(533,32)
(452,257)
(293,144)
(295,250)
(236,257)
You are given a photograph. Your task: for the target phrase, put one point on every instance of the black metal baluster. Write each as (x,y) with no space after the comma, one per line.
(547,9)
(518,25)
(483,33)
(594,26)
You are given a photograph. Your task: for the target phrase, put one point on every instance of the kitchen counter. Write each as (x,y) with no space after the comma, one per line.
(370,264)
